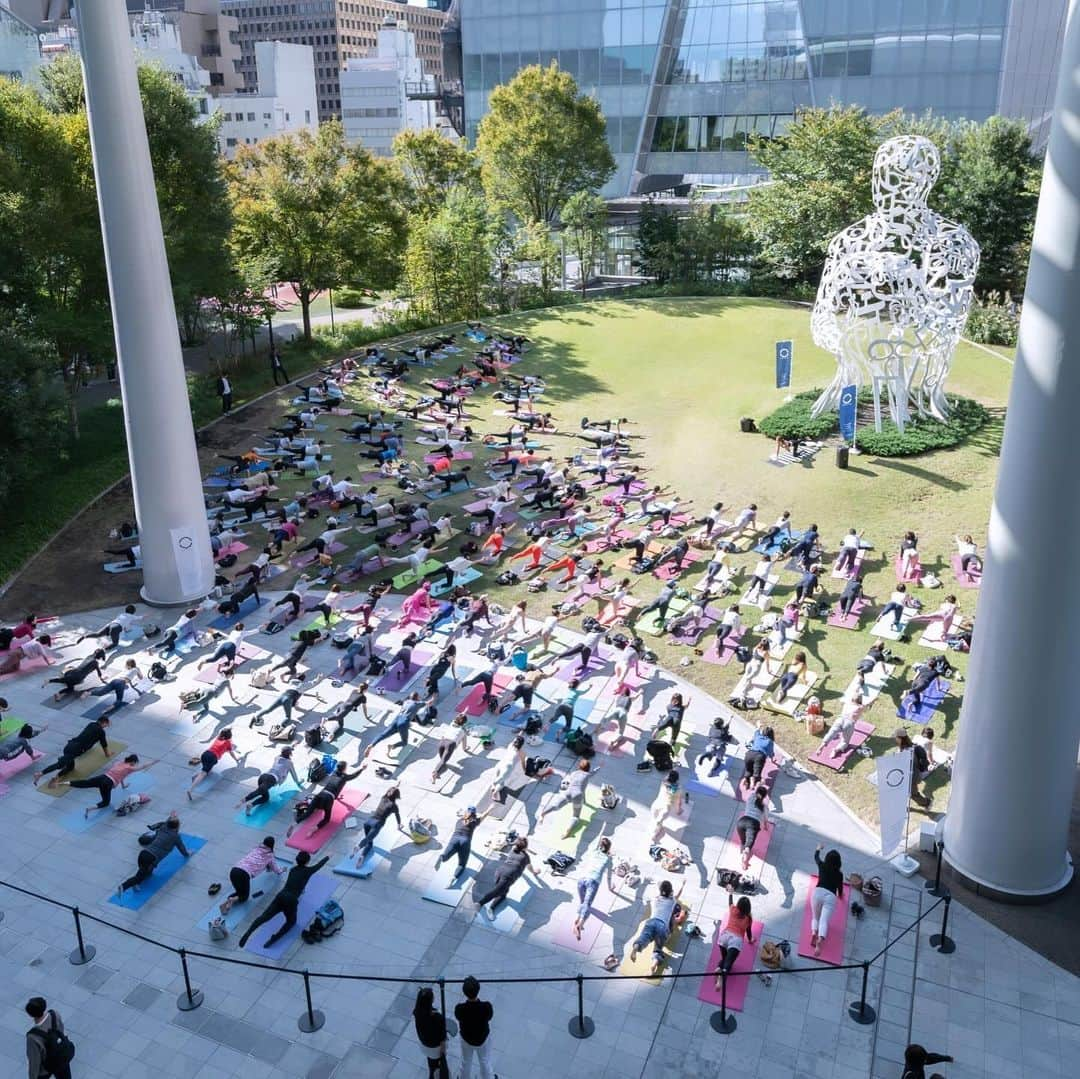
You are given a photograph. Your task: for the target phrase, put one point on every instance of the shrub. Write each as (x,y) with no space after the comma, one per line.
(793,420)
(921,436)
(353,297)
(994,320)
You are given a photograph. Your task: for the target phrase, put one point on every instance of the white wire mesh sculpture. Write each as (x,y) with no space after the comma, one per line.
(896,290)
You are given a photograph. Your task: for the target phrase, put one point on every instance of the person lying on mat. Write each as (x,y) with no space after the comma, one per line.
(287,900)
(850,596)
(596,866)
(898,606)
(849,551)
(780,531)
(282,769)
(753,819)
(875,656)
(843,727)
(667,913)
(165,838)
(925,678)
(823,899)
(797,672)
(511,867)
(738,926)
(93,734)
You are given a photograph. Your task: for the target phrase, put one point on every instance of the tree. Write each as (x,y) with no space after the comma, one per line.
(705,243)
(324,212)
(191,191)
(537,258)
(656,249)
(433,166)
(820,171)
(540,142)
(585,219)
(450,259)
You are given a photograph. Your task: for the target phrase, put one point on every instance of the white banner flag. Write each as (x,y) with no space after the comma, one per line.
(894,789)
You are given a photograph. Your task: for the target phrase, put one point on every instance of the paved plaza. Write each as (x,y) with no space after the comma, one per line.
(996,1006)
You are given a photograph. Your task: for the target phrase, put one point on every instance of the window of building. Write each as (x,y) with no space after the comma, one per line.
(230,142)
(217,78)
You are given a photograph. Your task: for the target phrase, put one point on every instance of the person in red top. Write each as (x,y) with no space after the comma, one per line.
(739,925)
(208,761)
(113,777)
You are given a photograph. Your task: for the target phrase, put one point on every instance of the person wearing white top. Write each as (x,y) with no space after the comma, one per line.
(849,552)
(116,628)
(969,554)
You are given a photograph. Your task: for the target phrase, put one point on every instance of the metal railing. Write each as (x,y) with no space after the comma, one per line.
(580,1025)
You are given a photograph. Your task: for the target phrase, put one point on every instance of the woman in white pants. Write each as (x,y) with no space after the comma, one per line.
(830,887)
(843,727)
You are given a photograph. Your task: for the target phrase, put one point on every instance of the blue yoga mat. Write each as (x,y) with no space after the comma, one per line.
(260,816)
(470,575)
(931,701)
(267,883)
(581,714)
(318,891)
(166,869)
(104,706)
(347,867)
(78,822)
(775,548)
(226,621)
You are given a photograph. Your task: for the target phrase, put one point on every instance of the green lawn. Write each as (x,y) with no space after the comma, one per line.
(686,371)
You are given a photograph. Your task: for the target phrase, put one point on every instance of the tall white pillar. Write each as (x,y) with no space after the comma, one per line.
(1007,826)
(177,561)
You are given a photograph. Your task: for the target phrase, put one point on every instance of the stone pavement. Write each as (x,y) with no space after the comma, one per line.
(999,1008)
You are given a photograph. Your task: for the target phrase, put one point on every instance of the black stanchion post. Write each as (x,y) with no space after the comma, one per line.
(581,1026)
(934,887)
(722,1021)
(942,941)
(189,999)
(859,1010)
(84,952)
(451,1024)
(312,1019)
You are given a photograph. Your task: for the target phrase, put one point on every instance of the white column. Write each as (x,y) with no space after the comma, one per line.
(169,508)
(1008,819)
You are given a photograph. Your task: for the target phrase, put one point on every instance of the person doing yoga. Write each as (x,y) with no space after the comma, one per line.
(287,900)
(93,734)
(738,926)
(823,899)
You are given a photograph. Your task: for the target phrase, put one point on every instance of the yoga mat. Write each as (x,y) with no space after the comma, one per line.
(399,678)
(845,575)
(555,824)
(227,621)
(104,707)
(410,577)
(318,891)
(459,455)
(19,764)
(931,700)
(737,987)
(914,575)
(510,909)
(776,547)
(78,822)
(883,627)
(466,577)
(260,817)
(347,867)
(852,620)
(446,892)
(971,579)
(120,567)
(833,951)
(306,558)
(768,777)
(731,643)
(165,870)
(89,764)
(390,753)
(265,883)
(824,754)
(582,710)
(562,921)
(793,698)
(932,636)
(307,837)
(472,703)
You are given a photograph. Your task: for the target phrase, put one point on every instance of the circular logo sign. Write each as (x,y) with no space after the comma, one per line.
(894,777)
(184,543)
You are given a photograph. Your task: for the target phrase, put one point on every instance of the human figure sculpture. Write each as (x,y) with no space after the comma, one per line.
(896,290)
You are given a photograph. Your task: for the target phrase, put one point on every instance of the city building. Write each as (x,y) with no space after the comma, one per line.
(684,83)
(20,51)
(202,29)
(338,31)
(286,98)
(374,102)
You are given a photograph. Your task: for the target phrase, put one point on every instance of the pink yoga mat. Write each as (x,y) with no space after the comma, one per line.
(399,678)
(845,575)
(17,765)
(301,560)
(459,455)
(852,620)
(308,837)
(723,658)
(28,666)
(472,703)
(833,951)
(761,844)
(863,730)
(768,777)
(915,574)
(737,987)
(562,921)
(965,580)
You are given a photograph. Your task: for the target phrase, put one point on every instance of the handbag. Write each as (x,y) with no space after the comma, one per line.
(770,955)
(217,929)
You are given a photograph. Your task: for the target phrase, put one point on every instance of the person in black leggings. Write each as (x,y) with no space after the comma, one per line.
(287,900)
(511,868)
(74,678)
(673,717)
(324,800)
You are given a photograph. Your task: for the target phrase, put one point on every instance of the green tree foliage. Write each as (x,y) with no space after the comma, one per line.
(433,166)
(706,243)
(540,142)
(822,169)
(538,260)
(325,213)
(450,259)
(584,219)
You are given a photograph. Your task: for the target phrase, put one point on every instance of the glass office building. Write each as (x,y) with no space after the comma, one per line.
(684,82)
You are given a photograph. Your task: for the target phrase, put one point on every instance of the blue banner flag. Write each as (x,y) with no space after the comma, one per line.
(849,397)
(783,364)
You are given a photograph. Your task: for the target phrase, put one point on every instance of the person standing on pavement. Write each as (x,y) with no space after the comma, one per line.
(224,389)
(474,1022)
(277,368)
(49,1051)
(431,1033)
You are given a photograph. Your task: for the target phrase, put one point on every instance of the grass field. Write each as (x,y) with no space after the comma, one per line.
(686,371)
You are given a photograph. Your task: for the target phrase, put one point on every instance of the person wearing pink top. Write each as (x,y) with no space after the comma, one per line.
(256,861)
(113,777)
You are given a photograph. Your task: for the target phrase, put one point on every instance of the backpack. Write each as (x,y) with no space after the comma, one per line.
(316,771)
(421,829)
(157,671)
(559,861)
(536,585)
(314,737)
(739,881)
(590,624)
(328,920)
(227,560)
(579,742)
(217,928)
(507,577)
(608,798)
(131,803)
(496,652)
(533,725)
(660,751)
(57,1048)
